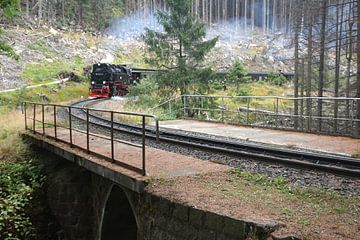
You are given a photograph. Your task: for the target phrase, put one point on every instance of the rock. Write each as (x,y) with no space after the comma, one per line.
(53,31)
(70,76)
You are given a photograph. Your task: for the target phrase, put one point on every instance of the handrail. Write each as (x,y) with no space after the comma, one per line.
(163,103)
(285,112)
(72,130)
(273,97)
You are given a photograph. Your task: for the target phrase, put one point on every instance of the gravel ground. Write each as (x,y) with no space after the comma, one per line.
(295,177)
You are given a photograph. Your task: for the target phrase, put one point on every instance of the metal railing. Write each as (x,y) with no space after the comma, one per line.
(337,115)
(52,120)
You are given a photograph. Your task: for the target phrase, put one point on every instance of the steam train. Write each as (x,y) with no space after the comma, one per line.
(108,80)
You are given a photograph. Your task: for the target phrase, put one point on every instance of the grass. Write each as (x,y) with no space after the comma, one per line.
(12,149)
(43,47)
(304,206)
(49,71)
(54,94)
(357,155)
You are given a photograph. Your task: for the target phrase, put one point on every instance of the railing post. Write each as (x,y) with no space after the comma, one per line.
(277,112)
(70,128)
(352,118)
(247,112)
(112,136)
(34,117)
(55,128)
(87,131)
(25,116)
(309,103)
(157,130)
(143,146)
(43,118)
(222,109)
(202,104)
(170,110)
(184,101)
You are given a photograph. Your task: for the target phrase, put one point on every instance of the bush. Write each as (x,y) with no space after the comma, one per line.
(244,92)
(18,182)
(277,79)
(7,50)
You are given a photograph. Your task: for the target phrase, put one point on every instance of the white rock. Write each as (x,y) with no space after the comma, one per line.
(53,31)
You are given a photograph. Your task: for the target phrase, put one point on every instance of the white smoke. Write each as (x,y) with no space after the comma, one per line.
(132,27)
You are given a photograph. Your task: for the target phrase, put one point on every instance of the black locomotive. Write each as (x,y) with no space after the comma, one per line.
(107,80)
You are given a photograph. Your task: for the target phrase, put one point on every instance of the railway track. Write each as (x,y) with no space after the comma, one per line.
(336,164)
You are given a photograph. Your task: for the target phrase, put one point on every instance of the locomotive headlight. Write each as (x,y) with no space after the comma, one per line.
(120,78)
(104,82)
(92,82)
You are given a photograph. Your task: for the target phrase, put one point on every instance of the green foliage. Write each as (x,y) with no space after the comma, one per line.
(244,92)
(9,7)
(180,48)
(277,79)
(145,94)
(49,71)
(279,182)
(357,155)
(18,182)
(7,50)
(53,94)
(237,74)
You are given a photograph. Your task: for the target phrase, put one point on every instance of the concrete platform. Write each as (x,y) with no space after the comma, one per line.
(159,164)
(323,143)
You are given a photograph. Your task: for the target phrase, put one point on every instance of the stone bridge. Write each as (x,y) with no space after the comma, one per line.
(97,188)
(94,199)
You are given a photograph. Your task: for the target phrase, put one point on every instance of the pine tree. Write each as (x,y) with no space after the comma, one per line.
(237,74)
(179,48)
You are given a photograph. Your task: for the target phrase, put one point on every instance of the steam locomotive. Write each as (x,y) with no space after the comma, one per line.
(108,80)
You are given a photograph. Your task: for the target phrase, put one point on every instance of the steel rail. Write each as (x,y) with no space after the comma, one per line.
(333,163)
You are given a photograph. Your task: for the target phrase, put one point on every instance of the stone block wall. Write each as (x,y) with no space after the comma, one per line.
(77,198)
(163,219)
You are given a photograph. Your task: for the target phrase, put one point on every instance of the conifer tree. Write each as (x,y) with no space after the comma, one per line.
(180,48)
(237,74)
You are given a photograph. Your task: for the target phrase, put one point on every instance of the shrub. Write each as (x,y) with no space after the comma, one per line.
(18,181)
(277,79)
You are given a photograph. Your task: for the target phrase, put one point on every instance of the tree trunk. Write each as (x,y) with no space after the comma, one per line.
(309,67)
(302,86)
(297,74)
(358,72)
(339,20)
(27,13)
(348,71)
(40,11)
(322,62)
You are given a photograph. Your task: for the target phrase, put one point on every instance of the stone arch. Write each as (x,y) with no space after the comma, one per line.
(118,220)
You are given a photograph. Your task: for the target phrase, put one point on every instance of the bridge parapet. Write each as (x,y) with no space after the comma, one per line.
(50,121)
